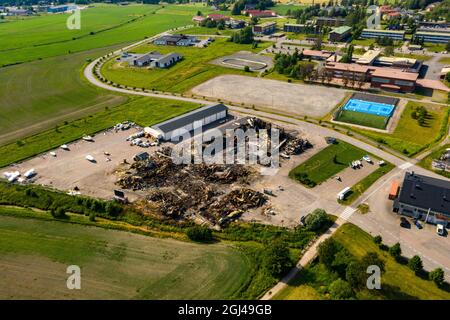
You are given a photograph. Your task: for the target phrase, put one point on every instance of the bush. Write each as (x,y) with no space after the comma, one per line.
(277,258)
(316,220)
(356,275)
(58,213)
(327,251)
(437,276)
(340,289)
(378,239)
(199,234)
(415,264)
(395,251)
(372,259)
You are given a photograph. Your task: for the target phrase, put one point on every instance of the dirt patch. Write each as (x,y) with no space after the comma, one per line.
(297,99)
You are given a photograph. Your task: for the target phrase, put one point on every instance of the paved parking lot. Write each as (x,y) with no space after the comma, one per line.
(70,168)
(432,248)
(297,99)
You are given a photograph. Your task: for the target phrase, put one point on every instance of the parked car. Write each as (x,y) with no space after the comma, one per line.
(417,224)
(440,230)
(404,223)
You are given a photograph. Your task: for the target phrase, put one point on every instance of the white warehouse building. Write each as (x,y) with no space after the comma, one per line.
(175,127)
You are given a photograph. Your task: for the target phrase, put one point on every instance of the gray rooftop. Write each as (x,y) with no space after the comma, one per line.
(189,117)
(426,193)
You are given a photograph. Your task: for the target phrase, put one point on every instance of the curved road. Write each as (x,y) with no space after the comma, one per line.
(314,129)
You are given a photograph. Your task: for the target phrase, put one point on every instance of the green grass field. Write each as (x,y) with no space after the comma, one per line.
(142,110)
(38,95)
(105,25)
(409,137)
(326,163)
(398,282)
(184,75)
(444,60)
(426,162)
(114,264)
(362,119)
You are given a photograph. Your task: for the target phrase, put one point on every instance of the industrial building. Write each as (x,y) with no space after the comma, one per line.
(434,36)
(62,8)
(175,127)
(153,59)
(424,198)
(265,28)
(375,34)
(339,34)
(176,40)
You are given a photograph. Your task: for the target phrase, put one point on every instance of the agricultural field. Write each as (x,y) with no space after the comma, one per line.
(362,119)
(282,9)
(142,110)
(397,283)
(435,154)
(105,25)
(409,137)
(326,163)
(184,75)
(41,94)
(34,256)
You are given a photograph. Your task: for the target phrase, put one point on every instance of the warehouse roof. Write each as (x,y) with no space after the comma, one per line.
(384,31)
(426,192)
(190,117)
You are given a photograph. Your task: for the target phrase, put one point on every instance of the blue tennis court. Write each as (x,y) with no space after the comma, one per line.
(376,108)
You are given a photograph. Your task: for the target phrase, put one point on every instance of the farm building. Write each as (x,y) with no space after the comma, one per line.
(175,127)
(339,34)
(259,13)
(155,59)
(217,17)
(265,28)
(424,197)
(176,40)
(198,19)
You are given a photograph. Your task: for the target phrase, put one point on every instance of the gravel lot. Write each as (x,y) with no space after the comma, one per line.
(297,99)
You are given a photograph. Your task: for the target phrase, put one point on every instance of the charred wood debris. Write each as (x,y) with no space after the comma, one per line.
(219,193)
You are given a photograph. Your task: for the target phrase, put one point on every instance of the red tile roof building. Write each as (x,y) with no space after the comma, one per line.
(217,17)
(260,13)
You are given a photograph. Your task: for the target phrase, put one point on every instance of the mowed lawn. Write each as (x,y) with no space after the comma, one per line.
(40,94)
(105,25)
(363,119)
(409,137)
(398,282)
(34,256)
(194,69)
(326,163)
(142,110)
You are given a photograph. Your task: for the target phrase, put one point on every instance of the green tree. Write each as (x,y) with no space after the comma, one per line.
(316,219)
(378,239)
(372,259)
(395,251)
(415,264)
(277,258)
(356,275)
(437,276)
(199,234)
(327,251)
(447,77)
(340,290)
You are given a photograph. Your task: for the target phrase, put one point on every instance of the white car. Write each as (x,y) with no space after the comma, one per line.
(440,230)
